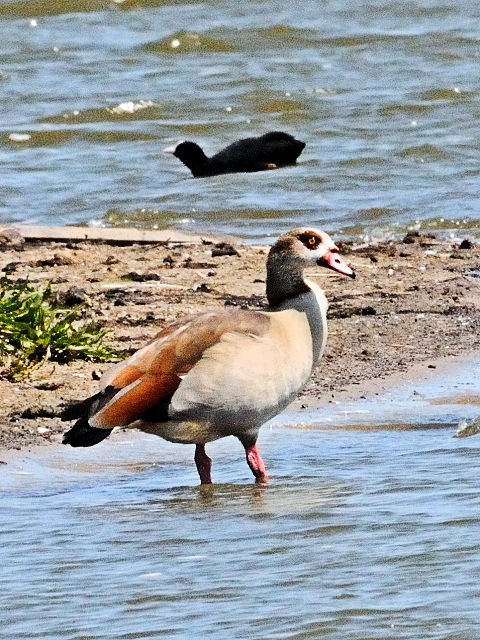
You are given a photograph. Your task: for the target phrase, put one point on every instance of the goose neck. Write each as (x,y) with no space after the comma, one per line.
(285,280)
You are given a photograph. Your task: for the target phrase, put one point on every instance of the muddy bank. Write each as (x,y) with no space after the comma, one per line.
(413,301)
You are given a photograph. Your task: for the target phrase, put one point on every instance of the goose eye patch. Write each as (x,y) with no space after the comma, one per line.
(311,242)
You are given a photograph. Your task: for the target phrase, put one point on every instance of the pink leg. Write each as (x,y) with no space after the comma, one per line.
(256,463)
(204,464)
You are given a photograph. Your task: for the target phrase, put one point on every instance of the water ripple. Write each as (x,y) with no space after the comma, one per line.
(429,151)
(188,42)
(59,137)
(446,94)
(131,110)
(37,8)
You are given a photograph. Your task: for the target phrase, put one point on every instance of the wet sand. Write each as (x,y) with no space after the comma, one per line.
(414,306)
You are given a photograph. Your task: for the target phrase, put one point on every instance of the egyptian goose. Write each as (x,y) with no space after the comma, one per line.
(223,372)
(272,150)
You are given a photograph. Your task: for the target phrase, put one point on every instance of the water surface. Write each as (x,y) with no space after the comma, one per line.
(367,530)
(385,94)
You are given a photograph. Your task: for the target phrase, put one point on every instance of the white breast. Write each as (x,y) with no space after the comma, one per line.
(243,380)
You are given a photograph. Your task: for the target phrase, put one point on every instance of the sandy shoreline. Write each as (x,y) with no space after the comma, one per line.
(415,304)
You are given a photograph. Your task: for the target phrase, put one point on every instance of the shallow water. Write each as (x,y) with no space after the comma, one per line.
(369,533)
(431,397)
(384,93)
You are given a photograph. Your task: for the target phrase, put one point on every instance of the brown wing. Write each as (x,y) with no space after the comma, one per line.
(151,376)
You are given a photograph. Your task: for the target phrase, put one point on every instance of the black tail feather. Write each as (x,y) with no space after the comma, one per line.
(83,435)
(77,410)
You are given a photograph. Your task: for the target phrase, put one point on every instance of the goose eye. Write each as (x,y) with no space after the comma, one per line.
(310,241)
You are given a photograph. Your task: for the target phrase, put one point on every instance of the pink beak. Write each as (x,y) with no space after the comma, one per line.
(333,261)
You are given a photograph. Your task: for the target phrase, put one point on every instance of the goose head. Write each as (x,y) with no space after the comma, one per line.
(292,253)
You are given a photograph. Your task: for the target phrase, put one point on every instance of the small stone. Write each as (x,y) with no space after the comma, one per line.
(56,261)
(46,386)
(11,267)
(468,428)
(369,311)
(224,249)
(43,430)
(203,287)
(466,244)
(190,264)
(72,297)
(141,277)
(11,238)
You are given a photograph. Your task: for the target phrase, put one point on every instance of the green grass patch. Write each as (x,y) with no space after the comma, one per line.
(33,328)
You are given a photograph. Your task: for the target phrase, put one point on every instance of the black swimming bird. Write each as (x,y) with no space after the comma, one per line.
(272,150)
